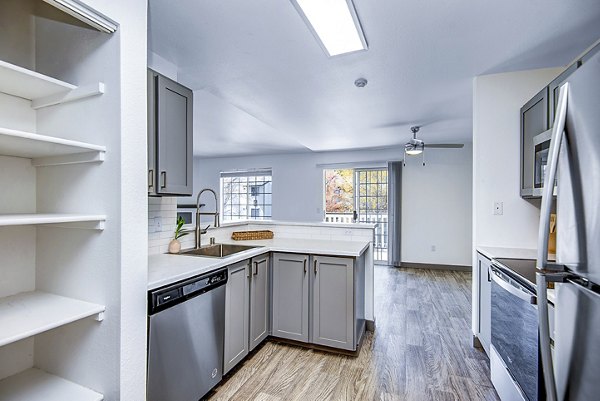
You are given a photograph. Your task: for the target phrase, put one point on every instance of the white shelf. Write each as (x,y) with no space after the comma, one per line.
(46,150)
(86,221)
(30,313)
(37,385)
(41,89)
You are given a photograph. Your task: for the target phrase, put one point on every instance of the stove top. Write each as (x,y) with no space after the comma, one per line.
(524,269)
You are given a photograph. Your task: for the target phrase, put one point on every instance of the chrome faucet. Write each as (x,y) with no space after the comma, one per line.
(199,231)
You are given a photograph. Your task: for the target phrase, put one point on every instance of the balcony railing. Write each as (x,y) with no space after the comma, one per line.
(380,240)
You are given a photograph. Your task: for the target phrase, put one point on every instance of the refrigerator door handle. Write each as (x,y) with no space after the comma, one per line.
(587,286)
(544,231)
(558,130)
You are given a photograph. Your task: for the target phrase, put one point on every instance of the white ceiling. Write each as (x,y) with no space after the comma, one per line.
(263,84)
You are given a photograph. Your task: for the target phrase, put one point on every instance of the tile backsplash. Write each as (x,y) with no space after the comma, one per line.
(162,217)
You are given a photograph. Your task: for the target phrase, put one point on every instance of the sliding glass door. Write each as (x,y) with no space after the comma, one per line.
(372,206)
(359,195)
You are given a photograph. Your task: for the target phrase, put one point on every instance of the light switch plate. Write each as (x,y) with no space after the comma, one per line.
(498,208)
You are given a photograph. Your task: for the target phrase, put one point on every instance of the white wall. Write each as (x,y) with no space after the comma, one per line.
(298,194)
(162,66)
(132,133)
(497,100)
(436,209)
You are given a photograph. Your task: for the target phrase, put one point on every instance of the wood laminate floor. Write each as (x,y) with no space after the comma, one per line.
(421,350)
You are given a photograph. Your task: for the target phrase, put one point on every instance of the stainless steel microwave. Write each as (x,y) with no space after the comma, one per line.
(541,148)
(188,213)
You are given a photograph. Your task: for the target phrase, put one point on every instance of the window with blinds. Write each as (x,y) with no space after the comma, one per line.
(246,195)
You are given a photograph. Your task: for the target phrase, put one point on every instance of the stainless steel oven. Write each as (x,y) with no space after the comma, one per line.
(514,353)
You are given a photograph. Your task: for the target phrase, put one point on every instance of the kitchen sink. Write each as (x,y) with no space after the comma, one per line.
(218,250)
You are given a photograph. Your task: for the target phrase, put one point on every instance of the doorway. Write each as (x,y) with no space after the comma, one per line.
(360,196)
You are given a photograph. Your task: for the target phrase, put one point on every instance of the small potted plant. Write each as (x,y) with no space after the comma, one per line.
(175,245)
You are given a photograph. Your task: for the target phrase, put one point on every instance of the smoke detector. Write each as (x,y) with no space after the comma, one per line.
(360,83)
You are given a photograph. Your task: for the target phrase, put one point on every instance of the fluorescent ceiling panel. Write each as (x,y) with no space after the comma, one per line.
(334,23)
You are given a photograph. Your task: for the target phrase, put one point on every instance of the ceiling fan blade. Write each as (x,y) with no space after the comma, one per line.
(445,145)
(408,123)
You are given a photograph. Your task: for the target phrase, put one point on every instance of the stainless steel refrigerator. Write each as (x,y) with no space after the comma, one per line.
(573,372)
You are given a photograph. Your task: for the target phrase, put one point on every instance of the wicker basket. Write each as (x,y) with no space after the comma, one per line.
(251,235)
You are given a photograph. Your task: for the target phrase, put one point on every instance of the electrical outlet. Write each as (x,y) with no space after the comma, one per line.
(347,232)
(498,208)
(157,224)
(432,248)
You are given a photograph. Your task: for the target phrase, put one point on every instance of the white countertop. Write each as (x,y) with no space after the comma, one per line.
(300,223)
(164,269)
(492,252)
(508,253)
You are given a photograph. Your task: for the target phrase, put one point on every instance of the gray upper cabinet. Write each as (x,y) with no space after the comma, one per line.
(554,88)
(534,121)
(259,300)
(170,137)
(290,296)
(333,309)
(236,315)
(485,302)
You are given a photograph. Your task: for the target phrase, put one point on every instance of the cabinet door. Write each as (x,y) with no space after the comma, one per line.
(152,81)
(333,302)
(236,315)
(485,303)
(259,300)
(290,296)
(174,138)
(554,89)
(534,121)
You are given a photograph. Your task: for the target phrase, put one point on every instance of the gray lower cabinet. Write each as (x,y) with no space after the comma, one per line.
(485,302)
(237,311)
(170,137)
(259,300)
(333,310)
(290,296)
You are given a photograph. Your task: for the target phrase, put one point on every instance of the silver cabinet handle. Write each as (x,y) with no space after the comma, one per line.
(255,268)
(315,263)
(150,179)
(304,266)
(497,276)
(163,177)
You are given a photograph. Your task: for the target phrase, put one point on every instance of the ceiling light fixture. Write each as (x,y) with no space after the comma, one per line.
(413,150)
(334,23)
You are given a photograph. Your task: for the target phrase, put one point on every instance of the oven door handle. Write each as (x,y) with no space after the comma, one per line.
(498,278)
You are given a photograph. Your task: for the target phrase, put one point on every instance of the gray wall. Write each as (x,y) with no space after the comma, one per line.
(436,197)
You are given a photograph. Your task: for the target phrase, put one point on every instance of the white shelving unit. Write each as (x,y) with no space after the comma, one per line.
(46,150)
(37,385)
(88,221)
(29,321)
(41,89)
(30,313)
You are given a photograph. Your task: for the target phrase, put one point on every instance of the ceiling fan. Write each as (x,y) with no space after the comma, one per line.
(417,146)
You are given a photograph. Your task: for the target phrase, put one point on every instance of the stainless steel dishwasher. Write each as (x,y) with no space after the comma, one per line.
(185,344)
